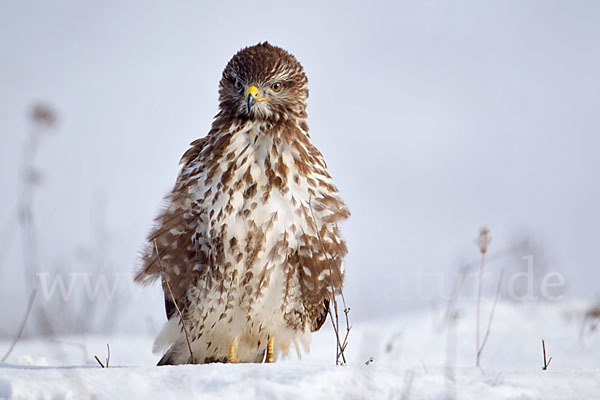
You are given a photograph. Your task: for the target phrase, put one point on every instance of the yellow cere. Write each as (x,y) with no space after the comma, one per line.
(253,90)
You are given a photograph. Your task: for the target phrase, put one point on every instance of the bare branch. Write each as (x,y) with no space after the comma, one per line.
(337,336)
(99,362)
(546,363)
(107,359)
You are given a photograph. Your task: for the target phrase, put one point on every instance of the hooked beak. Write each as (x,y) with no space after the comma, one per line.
(251,97)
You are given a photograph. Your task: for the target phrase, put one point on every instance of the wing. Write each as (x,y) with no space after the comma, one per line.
(321,272)
(320,258)
(175,236)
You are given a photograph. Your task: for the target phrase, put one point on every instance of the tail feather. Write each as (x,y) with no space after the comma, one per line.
(167,359)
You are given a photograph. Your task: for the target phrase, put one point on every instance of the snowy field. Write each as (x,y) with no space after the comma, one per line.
(415,356)
(435,117)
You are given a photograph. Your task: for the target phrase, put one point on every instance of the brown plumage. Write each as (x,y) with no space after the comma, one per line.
(249,242)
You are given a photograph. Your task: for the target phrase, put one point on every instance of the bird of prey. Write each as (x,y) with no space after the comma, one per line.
(248,248)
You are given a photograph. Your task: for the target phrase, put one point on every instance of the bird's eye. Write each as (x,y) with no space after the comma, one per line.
(237,85)
(276,87)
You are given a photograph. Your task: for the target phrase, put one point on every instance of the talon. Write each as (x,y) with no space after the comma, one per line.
(232,354)
(270,353)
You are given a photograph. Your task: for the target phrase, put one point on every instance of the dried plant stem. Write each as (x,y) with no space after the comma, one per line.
(477,346)
(187,334)
(546,363)
(483,242)
(22,327)
(105,364)
(335,323)
(341,344)
(348,327)
(489,325)
(99,362)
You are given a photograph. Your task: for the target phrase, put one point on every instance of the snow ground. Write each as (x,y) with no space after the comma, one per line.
(414,357)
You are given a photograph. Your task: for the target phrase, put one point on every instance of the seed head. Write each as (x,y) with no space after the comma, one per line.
(484,239)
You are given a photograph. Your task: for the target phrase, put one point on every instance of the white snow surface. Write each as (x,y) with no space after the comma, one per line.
(415,356)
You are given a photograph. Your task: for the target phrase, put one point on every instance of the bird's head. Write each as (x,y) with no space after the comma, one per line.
(263,82)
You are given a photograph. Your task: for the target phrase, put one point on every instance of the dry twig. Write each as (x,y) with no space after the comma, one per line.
(107,360)
(22,327)
(187,334)
(487,332)
(483,242)
(99,362)
(546,363)
(341,344)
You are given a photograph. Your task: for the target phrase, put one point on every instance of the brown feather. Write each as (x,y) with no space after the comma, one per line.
(253,203)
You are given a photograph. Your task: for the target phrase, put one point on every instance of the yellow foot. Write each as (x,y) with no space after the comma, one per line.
(232,354)
(270,353)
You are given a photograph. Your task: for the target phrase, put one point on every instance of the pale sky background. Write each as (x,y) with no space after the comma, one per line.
(435,117)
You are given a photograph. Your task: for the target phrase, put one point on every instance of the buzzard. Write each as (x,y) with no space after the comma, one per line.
(248,247)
